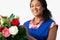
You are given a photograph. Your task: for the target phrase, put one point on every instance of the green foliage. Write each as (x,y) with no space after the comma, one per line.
(11,17)
(6,22)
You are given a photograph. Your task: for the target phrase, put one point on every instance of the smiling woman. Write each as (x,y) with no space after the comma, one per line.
(41,27)
(21,9)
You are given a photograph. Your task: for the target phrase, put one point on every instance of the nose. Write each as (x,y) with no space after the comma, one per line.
(35,7)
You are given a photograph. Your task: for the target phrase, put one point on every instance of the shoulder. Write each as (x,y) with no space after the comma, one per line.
(50,20)
(52,23)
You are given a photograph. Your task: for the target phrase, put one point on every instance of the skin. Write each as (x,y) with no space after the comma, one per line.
(36,8)
(52,33)
(37,11)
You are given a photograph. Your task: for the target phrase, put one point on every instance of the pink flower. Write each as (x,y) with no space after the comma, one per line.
(5,32)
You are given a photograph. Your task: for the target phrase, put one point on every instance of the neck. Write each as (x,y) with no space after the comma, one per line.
(37,20)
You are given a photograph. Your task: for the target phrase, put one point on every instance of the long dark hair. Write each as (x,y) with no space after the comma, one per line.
(46,13)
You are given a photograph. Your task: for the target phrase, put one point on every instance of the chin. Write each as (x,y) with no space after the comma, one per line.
(35,15)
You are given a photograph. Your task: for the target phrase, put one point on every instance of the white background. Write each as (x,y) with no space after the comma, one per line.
(21,8)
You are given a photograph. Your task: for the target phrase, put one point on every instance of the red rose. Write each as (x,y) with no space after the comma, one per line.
(0,28)
(15,22)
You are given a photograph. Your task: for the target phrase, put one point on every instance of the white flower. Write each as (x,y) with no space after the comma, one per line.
(1,20)
(17,17)
(13,30)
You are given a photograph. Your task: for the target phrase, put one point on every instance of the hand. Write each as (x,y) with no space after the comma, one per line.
(31,38)
(28,36)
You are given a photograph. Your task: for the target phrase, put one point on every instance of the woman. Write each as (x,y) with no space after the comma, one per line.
(41,27)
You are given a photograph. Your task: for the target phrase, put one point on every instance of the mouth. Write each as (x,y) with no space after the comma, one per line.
(35,11)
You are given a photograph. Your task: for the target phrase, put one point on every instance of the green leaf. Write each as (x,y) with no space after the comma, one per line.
(9,38)
(11,17)
(6,25)
(0,34)
(3,38)
(0,22)
(4,19)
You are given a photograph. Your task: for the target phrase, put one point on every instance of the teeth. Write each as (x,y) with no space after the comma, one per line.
(35,11)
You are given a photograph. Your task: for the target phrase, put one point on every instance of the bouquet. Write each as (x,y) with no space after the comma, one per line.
(10,28)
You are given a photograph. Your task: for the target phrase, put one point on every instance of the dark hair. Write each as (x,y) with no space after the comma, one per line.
(46,13)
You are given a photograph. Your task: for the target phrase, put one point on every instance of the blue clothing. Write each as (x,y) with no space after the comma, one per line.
(40,33)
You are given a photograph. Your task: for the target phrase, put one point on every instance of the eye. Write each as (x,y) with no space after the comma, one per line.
(31,6)
(38,5)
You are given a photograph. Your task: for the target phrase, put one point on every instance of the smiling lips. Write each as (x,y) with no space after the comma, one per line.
(35,11)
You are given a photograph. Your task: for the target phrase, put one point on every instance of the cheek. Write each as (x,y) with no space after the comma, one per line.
(32,10)
(40,9)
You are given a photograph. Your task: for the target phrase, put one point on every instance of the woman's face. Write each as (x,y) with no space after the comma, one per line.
(36,8)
